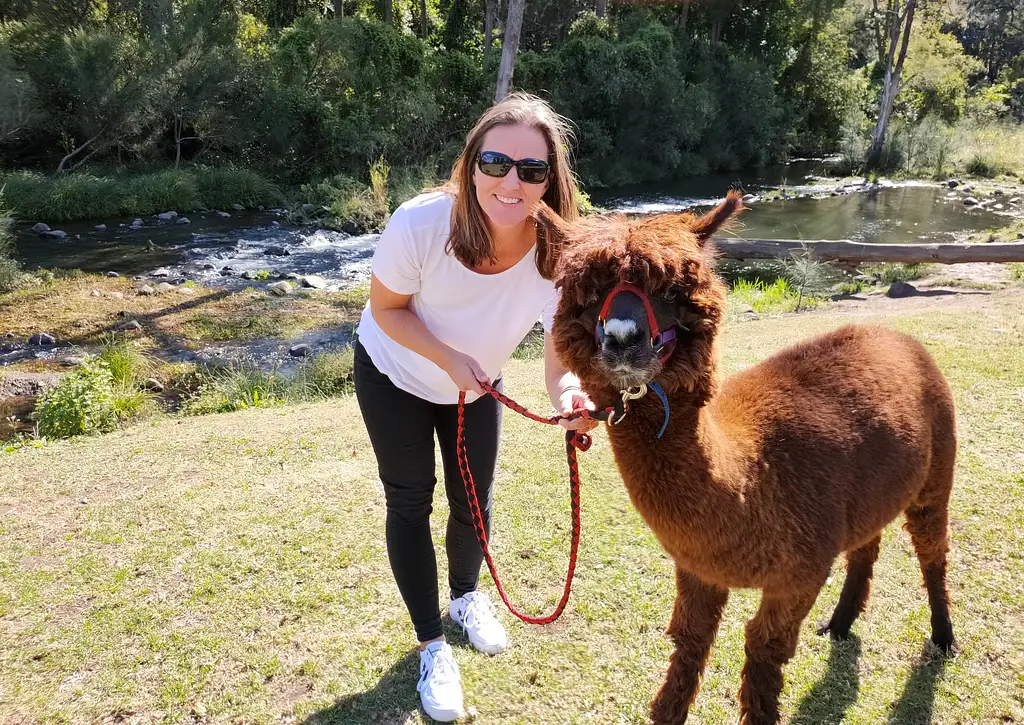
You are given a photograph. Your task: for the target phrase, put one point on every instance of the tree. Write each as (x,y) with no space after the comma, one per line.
(896,23)
(339,8)
(602,8)
(509,46)
(489,13)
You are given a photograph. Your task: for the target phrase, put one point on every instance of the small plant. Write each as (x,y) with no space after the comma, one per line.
(82,403)
(1017,271)
(897,272)
(808,275)
(850,288)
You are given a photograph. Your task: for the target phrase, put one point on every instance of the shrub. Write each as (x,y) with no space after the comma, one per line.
(82,403)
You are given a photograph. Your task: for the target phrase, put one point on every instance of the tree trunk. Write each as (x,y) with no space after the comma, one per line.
(389,16)
(489,14)
(891,86)
(339,9)
(856,252)
(684,16)
(161,15)
(509,46)
(423,19)
(602,8)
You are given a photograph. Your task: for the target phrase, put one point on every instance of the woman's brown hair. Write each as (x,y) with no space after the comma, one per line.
(470,240)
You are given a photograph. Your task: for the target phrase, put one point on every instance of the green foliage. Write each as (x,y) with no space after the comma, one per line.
(86,196)
(770,298)
(1017,271)
(10,271)
(235,387)
(323,376)
(82,403)
(897,272)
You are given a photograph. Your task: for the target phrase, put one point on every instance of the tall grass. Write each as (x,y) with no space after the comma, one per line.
(10,271)
(88,196)
(988,149)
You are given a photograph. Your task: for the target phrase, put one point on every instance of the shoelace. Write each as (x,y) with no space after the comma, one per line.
(439,670)
(477,609)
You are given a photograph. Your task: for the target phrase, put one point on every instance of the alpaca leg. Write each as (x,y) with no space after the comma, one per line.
(928,527)
(771,640)
(854,598)
(695,618)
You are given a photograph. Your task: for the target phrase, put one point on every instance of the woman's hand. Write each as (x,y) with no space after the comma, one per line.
(573,400)
(465,372)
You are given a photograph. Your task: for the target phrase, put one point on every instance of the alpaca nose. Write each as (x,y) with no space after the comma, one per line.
(621,334)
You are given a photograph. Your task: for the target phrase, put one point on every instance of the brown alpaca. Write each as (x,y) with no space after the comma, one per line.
(763,482)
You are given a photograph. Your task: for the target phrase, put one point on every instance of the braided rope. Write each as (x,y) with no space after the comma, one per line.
(574,440)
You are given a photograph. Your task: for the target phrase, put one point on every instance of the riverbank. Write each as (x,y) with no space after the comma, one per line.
(37,199)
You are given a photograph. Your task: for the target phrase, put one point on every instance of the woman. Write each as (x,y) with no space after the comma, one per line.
(460,276)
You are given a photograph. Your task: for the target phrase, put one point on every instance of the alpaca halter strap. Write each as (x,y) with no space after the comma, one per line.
(660,340)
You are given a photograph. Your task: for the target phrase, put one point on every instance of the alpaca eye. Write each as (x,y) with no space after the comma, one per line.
(669,296)
(592,298)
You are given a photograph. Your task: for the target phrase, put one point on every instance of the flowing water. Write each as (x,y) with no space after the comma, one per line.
(217,250)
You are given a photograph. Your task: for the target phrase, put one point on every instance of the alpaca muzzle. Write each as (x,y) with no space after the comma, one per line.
(628,335)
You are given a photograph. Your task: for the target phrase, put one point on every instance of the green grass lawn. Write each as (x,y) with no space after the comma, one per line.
(231,568)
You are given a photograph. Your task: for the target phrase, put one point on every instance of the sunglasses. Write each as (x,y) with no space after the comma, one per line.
(531,171)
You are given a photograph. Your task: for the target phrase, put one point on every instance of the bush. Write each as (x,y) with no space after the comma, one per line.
(83,195)
(82,403)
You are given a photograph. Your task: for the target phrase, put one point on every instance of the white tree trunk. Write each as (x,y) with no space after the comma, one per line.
(509,46)
(892,84)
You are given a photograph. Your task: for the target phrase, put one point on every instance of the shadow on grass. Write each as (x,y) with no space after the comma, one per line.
(917,701)
(394,698)
(390,700)
(836,691)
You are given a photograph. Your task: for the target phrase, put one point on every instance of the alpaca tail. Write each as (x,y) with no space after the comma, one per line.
(711,222)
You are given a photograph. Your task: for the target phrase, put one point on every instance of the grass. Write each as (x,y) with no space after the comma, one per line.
(233,568)
(1016,270)
(890,272)
(775,298)
(74,196)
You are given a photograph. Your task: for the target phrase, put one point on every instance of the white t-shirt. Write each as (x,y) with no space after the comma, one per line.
(485,316)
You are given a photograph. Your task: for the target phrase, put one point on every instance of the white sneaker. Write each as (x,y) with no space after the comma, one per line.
(475,614)
(440,684)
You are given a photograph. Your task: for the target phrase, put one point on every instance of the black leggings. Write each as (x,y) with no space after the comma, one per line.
(401,428)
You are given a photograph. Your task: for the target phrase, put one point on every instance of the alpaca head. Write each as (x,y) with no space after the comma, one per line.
(660,269)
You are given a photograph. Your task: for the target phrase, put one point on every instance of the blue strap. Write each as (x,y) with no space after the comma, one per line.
(664,402)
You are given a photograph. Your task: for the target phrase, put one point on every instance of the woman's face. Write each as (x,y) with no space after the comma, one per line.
(508,201)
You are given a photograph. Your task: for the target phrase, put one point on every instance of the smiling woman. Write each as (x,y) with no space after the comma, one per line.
(460,276)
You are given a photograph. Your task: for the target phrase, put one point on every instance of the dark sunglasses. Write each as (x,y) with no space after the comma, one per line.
(531,171)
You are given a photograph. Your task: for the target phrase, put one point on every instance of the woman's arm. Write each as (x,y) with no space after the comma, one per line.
(564,388)
(391,312)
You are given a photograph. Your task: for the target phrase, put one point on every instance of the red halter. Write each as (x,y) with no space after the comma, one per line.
(659,340)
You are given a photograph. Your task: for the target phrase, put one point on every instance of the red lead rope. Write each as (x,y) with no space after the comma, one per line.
(574,440)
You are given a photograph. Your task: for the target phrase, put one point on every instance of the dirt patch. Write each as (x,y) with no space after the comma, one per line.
(955,287)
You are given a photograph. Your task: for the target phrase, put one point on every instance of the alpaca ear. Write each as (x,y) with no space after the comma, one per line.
(707,225)
(552,231)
